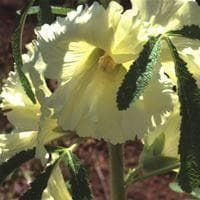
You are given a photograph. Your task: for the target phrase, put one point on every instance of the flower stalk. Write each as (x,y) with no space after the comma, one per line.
(45,15)
(117,172)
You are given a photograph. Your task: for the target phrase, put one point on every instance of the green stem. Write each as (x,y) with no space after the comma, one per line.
(54,9)
(45,15)
(105,3)
(117,172)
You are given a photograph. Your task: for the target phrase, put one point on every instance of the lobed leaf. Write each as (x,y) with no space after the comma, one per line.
(15,162)
(139,74)
(78,178)
(37,187)
(17,50)
(189,146)
(192,32)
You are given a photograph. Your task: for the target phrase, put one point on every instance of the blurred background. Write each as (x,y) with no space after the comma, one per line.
(93,153)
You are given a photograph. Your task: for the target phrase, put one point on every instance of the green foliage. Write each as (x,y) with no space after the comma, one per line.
(189,147)
(174,186)
(151,158)
(37,186)
(139,74)
(17,50)
(150,164)
(192,32)
(33,10)
(158,145)
(13,163)
(45,14)
(59,10)
(78,178)
(140,173)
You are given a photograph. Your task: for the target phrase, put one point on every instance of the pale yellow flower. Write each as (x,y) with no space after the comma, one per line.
(25,117)
(90,51)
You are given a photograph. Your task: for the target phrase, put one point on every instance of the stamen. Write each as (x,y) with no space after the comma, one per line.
(106,63)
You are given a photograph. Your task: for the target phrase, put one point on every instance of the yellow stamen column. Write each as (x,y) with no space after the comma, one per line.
(107,64)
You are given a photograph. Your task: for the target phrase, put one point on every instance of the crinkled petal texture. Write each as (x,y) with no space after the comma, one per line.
(162,16)
(161,145)
(56,188)
(90,108)
(11,144)
(24,117)
(171,131)
(166,15)
(18,108)
(89,52)
(189,51)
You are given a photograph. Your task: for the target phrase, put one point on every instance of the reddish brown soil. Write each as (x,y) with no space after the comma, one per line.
(94,154)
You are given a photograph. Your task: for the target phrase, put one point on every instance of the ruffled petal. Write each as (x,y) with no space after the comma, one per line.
(11,144)
(189,51)
(161,16)
(35,66)
(168,63)
(159,97)
(47,131)
(189,13)
(87,104)
(192,58)
(69,41)
(130,28)
(158,11)
(85,100)
(161,146)
(56,188)
(171,130)
(96,25)
(21,112)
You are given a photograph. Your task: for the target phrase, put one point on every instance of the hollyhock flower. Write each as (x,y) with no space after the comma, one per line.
(90,51)
(24,116)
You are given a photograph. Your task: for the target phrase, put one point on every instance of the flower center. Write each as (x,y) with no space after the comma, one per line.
(106,63)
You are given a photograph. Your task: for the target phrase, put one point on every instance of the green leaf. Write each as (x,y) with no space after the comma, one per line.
(17,50)
(45,14)
(37,187)
(153,156)
(174,186)
(139,74)
(192,32)
(158,145)
(15,162)
(140,174)
(150,164)
(78,178)
(189,147)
